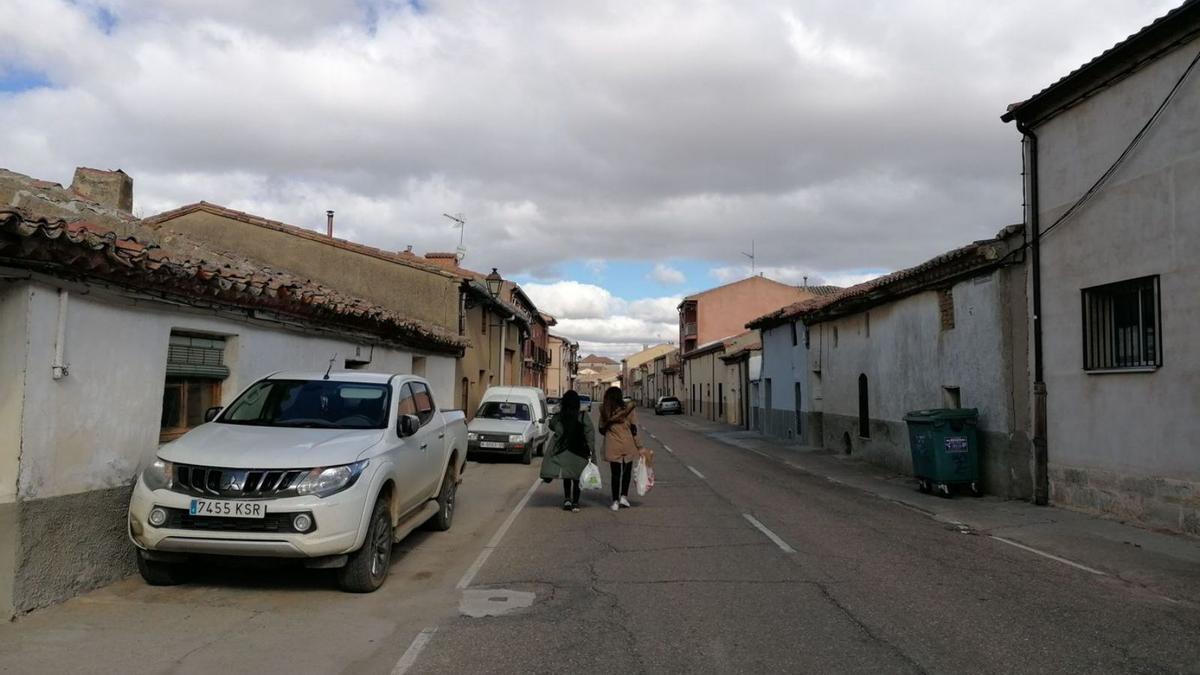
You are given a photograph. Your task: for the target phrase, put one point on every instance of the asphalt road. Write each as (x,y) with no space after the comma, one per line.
(732,563)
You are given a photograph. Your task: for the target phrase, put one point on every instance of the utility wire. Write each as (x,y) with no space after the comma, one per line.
(1124,154)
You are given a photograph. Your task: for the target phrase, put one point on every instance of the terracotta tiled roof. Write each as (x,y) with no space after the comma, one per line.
(894,284)
(89,251)
(404,258)
(1123,57)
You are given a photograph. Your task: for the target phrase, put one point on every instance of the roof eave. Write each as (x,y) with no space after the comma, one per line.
(1178,27)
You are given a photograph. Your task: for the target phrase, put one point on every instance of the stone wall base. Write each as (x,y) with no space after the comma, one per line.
(1147,500)
(71,544)
(1005,471)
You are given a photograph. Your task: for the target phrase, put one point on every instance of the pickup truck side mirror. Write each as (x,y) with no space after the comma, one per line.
(211,413)
(408,425)
(542,421)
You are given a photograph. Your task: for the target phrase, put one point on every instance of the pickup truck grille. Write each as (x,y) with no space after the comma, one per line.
(180,519)
(243,483)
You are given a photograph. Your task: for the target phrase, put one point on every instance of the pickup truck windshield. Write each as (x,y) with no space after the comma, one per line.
(503,410)
(319,404)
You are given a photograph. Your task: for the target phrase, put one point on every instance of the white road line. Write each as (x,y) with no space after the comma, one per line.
(469,576)
(413,651)
(668,448)
(770,535)
(693,470)
(1055,558)
(760,453)
(654,437)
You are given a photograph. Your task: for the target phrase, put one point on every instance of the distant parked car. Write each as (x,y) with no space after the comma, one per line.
(668,405)
(510,420)
(585,403)
(627,400)
(327,468)
(553,404)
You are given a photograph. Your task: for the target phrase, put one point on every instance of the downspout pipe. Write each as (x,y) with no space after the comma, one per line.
(1041,478)
(503,346)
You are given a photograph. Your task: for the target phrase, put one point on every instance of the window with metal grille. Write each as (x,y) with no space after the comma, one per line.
(1122,325)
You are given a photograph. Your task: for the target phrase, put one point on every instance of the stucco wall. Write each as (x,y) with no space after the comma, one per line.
(724,311)
(14,307)
(1125,443)
(83,437)
(484,355)
(909,361)
(413,292)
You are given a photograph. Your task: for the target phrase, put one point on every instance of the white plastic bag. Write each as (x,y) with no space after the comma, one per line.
(590,478)
(643,476)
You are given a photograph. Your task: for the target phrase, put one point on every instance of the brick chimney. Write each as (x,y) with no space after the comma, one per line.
(447,260)
(113,189)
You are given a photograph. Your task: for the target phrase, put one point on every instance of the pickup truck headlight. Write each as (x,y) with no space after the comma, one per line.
(160,475)
(516,438)
(327,480)
(472,436)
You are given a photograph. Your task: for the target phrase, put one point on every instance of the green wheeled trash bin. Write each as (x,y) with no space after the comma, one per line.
(945,449)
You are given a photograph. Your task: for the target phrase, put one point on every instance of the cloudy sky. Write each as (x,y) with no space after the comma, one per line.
(611,156)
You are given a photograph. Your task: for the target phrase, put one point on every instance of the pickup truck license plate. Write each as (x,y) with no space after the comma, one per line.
(491,444)
(208,507)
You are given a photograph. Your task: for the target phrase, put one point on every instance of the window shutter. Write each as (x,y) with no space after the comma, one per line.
(190,356)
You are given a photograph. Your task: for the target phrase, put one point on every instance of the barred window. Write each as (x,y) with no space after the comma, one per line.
(1122,326)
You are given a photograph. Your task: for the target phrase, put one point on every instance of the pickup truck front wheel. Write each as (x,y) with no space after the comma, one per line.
(446,502)
(162,573)
(367,567)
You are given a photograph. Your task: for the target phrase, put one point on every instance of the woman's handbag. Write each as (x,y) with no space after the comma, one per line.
(590,478)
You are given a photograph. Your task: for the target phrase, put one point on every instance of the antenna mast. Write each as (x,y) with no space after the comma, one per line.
(750,255)
(460,221)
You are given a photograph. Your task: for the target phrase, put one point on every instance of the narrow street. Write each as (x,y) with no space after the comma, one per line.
(733,563)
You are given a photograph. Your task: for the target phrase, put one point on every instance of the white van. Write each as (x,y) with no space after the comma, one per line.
(510,420)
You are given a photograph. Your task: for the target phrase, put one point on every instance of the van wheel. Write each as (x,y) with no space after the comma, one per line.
(445,499)
(367,567)
(161,573)
(541,449)
(527,458)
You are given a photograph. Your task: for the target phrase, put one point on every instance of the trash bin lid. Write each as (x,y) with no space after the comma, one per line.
(942,415)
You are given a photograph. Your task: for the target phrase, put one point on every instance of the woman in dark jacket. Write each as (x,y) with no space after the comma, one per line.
(573,447)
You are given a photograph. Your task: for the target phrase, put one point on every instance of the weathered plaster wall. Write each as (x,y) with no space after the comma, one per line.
(724,311)
(484,355)
(84,436)
(909,361)
(413,292)
(14,308)
(1125,443)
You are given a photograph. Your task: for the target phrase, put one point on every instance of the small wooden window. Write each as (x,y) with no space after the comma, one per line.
(195,369)
(184,401)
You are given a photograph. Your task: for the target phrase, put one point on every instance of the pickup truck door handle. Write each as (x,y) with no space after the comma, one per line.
(424,446)
(442,435)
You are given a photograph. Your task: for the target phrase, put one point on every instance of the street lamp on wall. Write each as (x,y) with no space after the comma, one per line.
(494,282)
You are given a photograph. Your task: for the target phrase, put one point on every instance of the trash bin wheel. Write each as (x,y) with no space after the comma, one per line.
(923,486)
(976,490)
(943,490)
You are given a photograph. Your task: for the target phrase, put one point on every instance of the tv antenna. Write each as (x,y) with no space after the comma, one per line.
(460,222)
(750,255)
(330,368)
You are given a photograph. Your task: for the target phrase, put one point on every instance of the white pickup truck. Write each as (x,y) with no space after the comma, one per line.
(330,468)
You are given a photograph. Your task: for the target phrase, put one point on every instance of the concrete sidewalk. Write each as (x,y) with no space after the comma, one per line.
(1161,563)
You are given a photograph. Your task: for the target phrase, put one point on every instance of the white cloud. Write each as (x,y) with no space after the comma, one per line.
(563,131)
(592,314)
(667,275)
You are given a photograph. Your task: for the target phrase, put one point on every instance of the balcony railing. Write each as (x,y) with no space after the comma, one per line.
(689,329)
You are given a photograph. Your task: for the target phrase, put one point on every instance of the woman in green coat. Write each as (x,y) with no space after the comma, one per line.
(574,446)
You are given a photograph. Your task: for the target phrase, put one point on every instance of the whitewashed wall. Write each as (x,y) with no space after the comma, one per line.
(91,429)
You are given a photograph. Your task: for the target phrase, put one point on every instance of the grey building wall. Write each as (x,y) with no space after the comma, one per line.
(910,363)
(1125,443)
